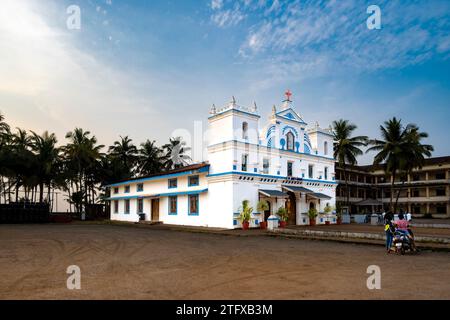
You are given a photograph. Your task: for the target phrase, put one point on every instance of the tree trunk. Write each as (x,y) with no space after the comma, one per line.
(392,191)
(398,195)
(41,192)
(347,189)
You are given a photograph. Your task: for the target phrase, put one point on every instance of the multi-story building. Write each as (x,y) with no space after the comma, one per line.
(426,191)
(285,163)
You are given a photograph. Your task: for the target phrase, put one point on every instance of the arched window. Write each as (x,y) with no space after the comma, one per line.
(325,148)
(244,130)
(290,141)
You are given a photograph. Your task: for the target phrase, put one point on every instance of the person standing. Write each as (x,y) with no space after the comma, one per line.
(389,230)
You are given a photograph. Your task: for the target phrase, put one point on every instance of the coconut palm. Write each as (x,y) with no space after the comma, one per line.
(175,154)
(47,156)
(80,157)
(126,152)
(400,150)
(347,148)
(150,158)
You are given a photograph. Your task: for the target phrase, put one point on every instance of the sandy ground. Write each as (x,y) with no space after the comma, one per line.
(125,262)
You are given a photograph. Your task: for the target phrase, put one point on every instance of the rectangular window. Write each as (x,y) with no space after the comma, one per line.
(416,193)
(127,206)
(441,209)
(173,183)
(193,204)
(193,181)
(127,189)
(325,173)
(266,166)
(244,162)
(116,190)
(440,192)
(289,169)
(140,187)
(173,205)
(440,176)
(140,206)
(311,171)
(116,206)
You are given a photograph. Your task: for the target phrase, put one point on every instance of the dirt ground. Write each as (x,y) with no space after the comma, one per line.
(125,262)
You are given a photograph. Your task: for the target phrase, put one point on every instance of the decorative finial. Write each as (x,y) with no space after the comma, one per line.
(274,110)
(255,107)
(233,101)
(317,124)
(213,109)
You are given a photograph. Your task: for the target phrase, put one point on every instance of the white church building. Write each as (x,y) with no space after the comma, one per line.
(282,161)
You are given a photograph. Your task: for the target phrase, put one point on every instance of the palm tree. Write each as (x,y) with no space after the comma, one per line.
(347,148)
(21,163)
(81,155)
(47,155)
(126,152)
(175,154)
(4,127)
(5,136)
(400,150)
(150,158)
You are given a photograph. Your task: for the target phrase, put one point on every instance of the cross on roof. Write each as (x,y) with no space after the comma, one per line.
(288,95)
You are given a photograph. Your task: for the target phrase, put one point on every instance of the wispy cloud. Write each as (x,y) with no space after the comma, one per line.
(226,17)
(331,36)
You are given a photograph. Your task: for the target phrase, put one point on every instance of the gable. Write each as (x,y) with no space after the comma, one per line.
(290,114)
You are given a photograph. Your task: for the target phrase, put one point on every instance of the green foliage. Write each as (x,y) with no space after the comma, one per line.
(31,164)
(283,214)
(312,213)
(328,209)
(400,151)
(245,212)
(262,206)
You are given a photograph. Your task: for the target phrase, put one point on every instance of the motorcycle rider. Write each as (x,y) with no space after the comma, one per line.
(403,226)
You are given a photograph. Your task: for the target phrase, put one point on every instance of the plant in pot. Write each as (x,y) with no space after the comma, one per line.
(245,214)
(263,206)
(284,216)
(338,217)
(312,214)
(327,210)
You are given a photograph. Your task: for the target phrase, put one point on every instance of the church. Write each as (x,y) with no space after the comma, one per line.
(282,161)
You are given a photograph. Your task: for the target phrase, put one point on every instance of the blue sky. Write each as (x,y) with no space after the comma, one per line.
(146,68)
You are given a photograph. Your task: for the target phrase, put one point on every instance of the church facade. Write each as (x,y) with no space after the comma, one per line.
(285,162)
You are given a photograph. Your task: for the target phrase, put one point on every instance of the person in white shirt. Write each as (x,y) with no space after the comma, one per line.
(408,217)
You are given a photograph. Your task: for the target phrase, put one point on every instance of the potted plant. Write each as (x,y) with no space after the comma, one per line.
(284,216)
(245,214)
(263,206)
(312,214)
(327,211)
(338,217)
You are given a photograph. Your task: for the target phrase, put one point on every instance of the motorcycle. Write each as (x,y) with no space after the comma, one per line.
(402,242)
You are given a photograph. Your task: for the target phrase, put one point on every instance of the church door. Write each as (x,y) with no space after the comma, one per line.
(291,207)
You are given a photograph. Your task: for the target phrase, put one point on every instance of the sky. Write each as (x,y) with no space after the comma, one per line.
(147,69)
